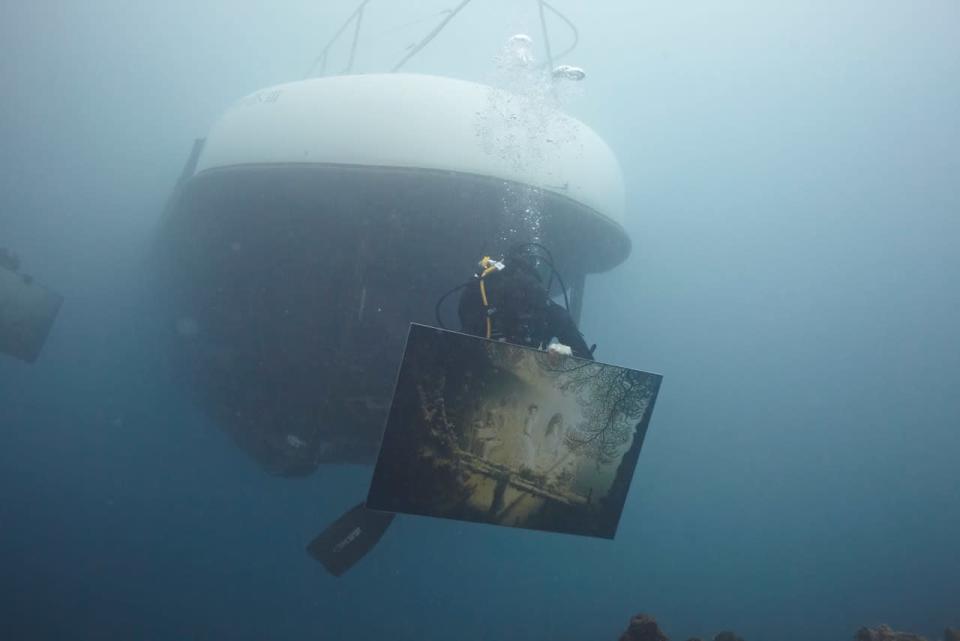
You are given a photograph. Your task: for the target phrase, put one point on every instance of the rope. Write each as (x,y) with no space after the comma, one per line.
(546,36)
(356,37)
(322,58)
(573,28)
(430,36)
(357,18)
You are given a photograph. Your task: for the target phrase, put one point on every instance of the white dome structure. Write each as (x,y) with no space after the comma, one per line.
(415,122)
(320,217)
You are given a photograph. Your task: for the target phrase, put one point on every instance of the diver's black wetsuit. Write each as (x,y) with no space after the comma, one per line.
(521,312)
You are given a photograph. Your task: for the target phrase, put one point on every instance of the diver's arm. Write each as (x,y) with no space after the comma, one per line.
(470,310)
(565,330)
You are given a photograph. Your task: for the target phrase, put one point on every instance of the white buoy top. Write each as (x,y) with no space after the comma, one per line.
(420,122)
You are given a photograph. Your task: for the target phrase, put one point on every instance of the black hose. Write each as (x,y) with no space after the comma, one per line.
(436,309)
(553,270)
(513,251)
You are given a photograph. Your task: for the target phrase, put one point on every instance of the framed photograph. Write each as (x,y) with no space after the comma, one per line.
(490,432)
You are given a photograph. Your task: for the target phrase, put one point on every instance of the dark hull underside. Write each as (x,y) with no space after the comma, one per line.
(288,291)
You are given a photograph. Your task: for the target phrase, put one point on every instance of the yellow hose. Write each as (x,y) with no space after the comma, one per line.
(483,296)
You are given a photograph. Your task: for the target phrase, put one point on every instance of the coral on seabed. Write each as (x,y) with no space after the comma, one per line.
(643,628)
(885,633)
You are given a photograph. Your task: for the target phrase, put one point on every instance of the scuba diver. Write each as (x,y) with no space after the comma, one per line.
(508,301)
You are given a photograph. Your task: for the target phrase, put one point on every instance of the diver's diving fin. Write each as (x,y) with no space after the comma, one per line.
(349,538)
(27,312)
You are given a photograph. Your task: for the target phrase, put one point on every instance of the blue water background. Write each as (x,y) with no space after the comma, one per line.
(793,176)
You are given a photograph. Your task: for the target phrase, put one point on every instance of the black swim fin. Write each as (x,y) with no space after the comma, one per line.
(349,538)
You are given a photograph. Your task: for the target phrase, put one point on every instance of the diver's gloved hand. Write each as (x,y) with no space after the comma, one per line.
(556,352)
(560,349)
